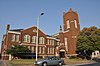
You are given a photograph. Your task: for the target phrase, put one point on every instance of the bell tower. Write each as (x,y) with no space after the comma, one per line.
(70,20)
(71,30)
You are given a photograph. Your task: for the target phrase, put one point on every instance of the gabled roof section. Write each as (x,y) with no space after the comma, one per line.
(30,28)
(34,29)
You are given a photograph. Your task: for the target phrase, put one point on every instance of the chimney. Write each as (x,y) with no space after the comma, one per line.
(8,27)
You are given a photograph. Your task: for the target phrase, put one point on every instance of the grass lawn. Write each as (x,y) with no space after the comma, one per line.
(30,62)
(22,61)
(75,61)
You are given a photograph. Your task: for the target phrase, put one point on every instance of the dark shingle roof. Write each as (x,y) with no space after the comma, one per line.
(48,36)
(18,30)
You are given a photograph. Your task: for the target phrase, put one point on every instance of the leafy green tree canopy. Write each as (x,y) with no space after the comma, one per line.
(89,39)
(18,50)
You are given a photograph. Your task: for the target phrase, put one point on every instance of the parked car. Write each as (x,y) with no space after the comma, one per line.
(51,60)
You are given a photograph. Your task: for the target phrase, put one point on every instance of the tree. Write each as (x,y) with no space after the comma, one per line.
(19,51)
(88,40)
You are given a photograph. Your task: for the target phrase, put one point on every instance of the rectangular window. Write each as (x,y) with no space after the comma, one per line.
(53,50)
(39,50)
(43,50)
(52,42)
(17,38)
(13,37)
(32,49)
(57,43)
(29,47)
(48,41)
(48,50)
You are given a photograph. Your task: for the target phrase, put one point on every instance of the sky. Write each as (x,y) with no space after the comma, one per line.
(22,14)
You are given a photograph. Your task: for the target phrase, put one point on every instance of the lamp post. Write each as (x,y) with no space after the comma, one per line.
(37,35)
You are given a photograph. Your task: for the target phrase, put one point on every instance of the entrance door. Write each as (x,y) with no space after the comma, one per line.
(62,54)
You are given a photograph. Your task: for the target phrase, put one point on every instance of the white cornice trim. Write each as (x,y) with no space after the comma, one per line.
(31,44)
(53,38)
(14,32)
(56,34)
(66,31)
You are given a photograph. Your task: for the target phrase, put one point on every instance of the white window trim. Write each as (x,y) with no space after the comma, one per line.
(14,32)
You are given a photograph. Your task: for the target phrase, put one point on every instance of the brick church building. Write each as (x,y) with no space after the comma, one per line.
(61,44)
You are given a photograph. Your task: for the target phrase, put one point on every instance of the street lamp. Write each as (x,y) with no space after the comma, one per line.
(37,35)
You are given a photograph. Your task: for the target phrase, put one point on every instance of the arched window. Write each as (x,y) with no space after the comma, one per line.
(75,23)
(27,38)
(66,43)
(34,39)
(41,40)
(68,24)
